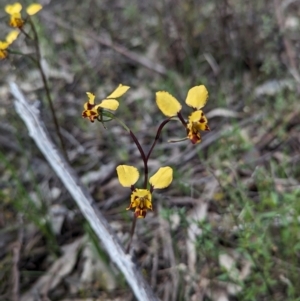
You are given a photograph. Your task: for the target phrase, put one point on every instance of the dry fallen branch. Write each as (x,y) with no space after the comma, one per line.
(97,221)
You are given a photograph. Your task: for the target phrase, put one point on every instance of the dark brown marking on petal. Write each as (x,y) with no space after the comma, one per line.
(139,213)
(89,106)
(93,116)
(195,138)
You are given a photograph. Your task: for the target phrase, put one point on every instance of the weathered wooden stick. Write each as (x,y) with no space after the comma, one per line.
(31,116)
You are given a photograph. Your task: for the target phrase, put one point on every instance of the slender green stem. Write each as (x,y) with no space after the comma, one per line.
(105,113)
(46,86)
(21,53)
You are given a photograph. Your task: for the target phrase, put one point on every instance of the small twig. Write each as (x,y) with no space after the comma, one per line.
(81,196)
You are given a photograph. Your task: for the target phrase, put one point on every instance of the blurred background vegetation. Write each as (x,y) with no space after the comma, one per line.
(228,226)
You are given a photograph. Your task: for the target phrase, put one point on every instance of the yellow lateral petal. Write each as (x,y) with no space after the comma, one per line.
(3,45)
(110,104)
(33,8)
(12,36)
(128,175)
(162,178)
(118,92)
(13,9)
(91,97)
(167,103)
(197,97)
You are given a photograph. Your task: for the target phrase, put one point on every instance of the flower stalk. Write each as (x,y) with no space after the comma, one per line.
(46,86)
(141,198)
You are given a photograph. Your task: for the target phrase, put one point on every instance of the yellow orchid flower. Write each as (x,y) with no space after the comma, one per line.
(109,103)
(141,199)
(14,10)
(5,44)
(197,122)
(196,98)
